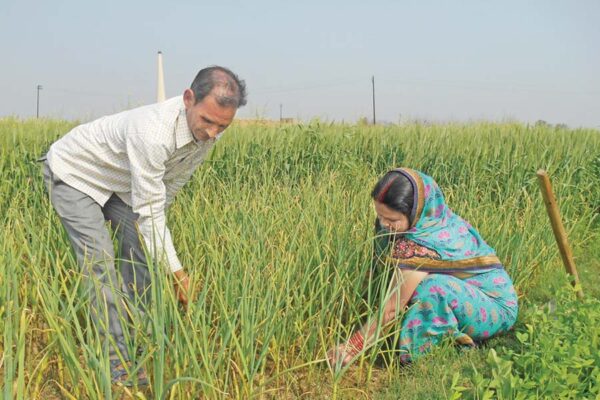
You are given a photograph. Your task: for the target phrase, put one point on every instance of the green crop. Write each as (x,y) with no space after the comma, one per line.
(276,232)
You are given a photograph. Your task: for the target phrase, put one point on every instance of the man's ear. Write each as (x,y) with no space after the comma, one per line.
(188,98)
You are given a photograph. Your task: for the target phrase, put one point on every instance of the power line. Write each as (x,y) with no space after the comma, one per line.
(85,93)
(489,86)
(461,84)
(274,90)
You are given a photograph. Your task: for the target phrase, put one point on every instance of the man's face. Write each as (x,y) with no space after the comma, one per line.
(207,118)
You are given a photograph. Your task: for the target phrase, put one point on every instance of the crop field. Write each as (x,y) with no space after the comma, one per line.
(276,232)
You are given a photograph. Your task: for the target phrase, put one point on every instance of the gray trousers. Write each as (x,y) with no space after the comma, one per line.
(111,282)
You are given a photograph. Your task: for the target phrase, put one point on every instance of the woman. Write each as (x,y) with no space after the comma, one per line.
(448,280)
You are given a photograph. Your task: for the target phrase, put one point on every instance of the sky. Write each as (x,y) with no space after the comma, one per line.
(438,61)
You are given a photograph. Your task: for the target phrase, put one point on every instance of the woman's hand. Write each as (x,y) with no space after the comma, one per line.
(344,353)
(339,356)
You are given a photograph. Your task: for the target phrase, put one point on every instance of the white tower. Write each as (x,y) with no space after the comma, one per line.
(160,90)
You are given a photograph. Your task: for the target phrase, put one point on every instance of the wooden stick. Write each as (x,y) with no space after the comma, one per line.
(559,230)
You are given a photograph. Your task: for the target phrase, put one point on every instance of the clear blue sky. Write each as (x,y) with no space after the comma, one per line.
(435,60)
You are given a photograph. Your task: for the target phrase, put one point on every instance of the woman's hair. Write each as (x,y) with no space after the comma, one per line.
(395,191)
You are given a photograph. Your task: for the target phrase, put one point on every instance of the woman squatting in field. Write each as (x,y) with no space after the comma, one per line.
(446,280)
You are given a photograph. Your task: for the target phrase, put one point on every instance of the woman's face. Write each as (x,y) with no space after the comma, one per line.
(392,220)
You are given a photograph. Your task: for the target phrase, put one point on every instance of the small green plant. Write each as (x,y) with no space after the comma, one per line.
(557,357)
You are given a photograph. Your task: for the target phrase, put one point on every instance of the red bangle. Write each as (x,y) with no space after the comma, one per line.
(357,343)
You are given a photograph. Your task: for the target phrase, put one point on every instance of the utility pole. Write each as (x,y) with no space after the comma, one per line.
(37,110)
(280,112)
(373,84)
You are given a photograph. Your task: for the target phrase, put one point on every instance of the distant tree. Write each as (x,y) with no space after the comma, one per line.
(363,121)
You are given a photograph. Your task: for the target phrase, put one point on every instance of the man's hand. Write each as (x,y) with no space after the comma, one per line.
(181,283)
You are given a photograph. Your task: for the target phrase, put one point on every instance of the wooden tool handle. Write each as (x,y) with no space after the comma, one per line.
(558,229)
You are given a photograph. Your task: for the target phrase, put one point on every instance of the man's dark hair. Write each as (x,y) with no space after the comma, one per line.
(395,191)
(227,89)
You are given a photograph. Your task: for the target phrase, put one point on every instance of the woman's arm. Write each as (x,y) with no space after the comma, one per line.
(404,283)
(402,287)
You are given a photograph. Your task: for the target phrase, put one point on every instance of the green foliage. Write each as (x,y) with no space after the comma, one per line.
(276,232)
(290,154)
(558,356)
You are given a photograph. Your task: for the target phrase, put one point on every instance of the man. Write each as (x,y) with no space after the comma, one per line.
(126,168)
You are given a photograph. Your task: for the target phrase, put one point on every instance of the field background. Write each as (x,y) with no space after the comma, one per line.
(276,232)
